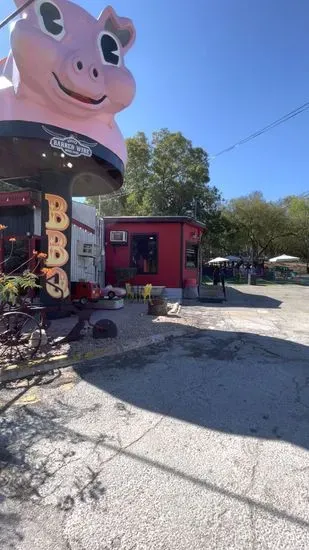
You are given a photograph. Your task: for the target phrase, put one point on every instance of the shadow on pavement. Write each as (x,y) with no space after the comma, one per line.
(238,383)
(237,298)
(26,478)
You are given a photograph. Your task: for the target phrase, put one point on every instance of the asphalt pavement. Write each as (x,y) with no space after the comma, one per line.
(197,443)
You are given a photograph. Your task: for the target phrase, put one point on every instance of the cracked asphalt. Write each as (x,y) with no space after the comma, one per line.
(198,443)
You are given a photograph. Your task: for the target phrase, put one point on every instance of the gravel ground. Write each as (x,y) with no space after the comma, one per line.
(248,308)
(133,324)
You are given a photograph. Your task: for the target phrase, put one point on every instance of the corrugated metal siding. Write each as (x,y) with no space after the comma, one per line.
(81,267)
(37,221)
(100,261)
(84,213)
(18,219)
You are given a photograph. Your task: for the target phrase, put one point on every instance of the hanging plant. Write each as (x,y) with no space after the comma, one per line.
(15,288)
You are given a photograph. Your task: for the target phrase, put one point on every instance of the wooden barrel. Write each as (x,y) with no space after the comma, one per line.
(157,306)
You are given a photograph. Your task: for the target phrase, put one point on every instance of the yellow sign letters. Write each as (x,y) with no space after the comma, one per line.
(58,256)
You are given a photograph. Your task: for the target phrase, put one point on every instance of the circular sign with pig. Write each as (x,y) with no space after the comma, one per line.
(61,86)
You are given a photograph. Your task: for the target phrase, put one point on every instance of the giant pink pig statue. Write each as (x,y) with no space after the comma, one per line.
(67,69)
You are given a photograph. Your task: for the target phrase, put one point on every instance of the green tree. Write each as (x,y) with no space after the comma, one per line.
(130,199)
(297,243)
(258,226)
(164,176)
(221,236)
(179,177)
(137,175)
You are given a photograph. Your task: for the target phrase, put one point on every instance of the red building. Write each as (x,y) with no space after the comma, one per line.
(165,251)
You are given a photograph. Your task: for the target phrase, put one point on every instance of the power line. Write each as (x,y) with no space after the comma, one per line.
(267,128)
(281,120)
(256,134)
(117,195)
(15,13)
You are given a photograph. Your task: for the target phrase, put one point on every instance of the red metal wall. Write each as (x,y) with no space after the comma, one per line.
(171,266)
(191,234)
(168,253)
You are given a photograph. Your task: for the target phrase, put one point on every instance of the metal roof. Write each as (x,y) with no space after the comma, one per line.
(154,219)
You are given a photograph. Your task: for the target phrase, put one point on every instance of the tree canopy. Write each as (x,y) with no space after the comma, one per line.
(164,176)
(258,225)
(297,242)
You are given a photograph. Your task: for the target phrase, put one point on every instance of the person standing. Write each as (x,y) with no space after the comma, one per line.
(222,280)
(216,276)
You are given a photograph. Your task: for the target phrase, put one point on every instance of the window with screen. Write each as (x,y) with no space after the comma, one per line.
(191,255)
(87,248)
(144,253)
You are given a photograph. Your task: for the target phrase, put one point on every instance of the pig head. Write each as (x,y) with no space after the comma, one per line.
(65,59)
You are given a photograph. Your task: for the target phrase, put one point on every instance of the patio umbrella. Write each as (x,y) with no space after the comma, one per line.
(283,258)
(218,260)
(233,258)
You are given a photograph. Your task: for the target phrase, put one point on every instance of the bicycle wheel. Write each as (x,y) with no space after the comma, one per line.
(20,337)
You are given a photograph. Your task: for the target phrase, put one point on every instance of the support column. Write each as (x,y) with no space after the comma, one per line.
(56,236)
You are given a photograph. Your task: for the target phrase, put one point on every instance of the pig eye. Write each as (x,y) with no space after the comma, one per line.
(50,19)
(110,49)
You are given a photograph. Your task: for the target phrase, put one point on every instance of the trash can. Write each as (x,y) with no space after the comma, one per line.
(190,289)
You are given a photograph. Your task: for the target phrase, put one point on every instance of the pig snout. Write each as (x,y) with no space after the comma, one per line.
(83,74)
(92,68)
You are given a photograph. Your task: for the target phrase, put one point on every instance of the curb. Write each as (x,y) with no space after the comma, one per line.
(34,368)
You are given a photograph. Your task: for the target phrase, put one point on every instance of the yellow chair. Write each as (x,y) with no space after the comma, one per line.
(129,291)
(147,292)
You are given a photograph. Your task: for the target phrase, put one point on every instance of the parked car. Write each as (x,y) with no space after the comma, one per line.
(112,291)
(84,292)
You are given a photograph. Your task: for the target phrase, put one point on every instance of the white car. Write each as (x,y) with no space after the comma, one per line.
(112,292)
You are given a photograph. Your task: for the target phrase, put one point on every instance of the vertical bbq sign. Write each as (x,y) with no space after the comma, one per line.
(58,256)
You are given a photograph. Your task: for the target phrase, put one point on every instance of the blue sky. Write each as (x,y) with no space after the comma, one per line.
(217,70)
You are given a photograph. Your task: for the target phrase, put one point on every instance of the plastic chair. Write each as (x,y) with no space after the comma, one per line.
(129,291)
(147,292)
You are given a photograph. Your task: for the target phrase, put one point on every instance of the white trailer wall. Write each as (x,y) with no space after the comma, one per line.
(82,267)
(100,260)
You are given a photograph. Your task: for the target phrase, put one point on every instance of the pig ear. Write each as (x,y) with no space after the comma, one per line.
(122,27)
(19,3)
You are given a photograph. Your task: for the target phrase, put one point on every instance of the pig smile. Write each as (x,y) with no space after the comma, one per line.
(78,97)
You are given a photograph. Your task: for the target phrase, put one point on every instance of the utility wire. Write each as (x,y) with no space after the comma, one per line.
(281,120)
(111,197)
(267,128)
(273,124)
(15,13)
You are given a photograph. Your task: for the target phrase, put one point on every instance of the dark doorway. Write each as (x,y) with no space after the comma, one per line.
(144,253)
